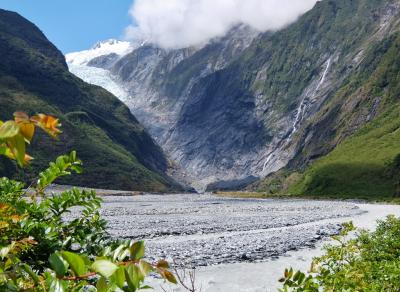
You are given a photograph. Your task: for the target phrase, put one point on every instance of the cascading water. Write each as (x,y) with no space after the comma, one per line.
(304,103)
(301,110)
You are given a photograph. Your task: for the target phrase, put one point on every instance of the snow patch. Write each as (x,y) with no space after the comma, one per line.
(103,48)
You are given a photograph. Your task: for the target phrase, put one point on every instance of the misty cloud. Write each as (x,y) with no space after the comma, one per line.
(183,23)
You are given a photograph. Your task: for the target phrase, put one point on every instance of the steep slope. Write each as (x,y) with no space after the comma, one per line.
(360,122)
(156,83)
(367,163)
(247,105)
(116,150)
(285,78)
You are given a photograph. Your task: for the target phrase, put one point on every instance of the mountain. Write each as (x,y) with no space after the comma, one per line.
(116,150)
(156,84)
(250,104)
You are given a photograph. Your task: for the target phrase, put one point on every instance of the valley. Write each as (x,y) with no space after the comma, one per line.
(235,155)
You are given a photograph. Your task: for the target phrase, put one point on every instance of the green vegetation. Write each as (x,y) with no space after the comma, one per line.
(117,150)
(40,248)
(358,155)
(41,251)
(366,164)
(368,262)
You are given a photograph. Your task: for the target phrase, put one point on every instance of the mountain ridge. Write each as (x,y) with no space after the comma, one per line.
(115,148)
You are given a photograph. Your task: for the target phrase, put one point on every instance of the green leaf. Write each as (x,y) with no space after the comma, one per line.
(31,273)
(137,250)
(119,277)
(58,264)
(104,268)
(296,276)
(76,263)
(132,275)
(57,285)
(8,130)
(301,278)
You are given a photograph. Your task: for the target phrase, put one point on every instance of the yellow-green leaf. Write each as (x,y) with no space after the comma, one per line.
(17,147)
(104,268)
(137,250)
(9,129)
(119,277)
(145,267)
(76,263)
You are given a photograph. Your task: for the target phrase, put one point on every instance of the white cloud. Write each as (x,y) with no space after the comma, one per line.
(183,23)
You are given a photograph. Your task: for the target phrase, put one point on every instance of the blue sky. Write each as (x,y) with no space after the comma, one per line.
(74,25)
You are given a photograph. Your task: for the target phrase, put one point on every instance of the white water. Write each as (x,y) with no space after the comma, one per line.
(263,277)
(268,160)
(303,105)
(301,110)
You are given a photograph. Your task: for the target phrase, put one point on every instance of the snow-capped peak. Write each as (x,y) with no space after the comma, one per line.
(103,48)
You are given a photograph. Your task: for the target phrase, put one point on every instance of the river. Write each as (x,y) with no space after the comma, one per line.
(234,244)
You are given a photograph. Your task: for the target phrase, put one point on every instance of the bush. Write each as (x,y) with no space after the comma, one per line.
(42,251)
(368,262)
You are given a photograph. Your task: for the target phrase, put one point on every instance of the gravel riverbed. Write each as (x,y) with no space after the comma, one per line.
(203,230)
(233,241)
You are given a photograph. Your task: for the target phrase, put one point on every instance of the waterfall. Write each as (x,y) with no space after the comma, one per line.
(268,160)
(303,105)
(301,110)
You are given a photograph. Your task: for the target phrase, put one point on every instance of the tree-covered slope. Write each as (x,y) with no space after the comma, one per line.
(116,150)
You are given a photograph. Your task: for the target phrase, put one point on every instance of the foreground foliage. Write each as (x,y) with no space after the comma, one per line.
(368,262)
(16,133)
(41,248)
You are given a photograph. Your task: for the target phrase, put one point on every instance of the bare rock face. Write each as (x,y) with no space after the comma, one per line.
(247,104)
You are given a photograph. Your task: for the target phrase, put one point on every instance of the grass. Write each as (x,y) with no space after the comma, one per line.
(364,165)
(264,195)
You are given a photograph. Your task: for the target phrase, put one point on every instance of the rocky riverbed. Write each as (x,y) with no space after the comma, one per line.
(203,230)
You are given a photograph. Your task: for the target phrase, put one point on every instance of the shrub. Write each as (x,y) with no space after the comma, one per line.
(368,262)
(42,251)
